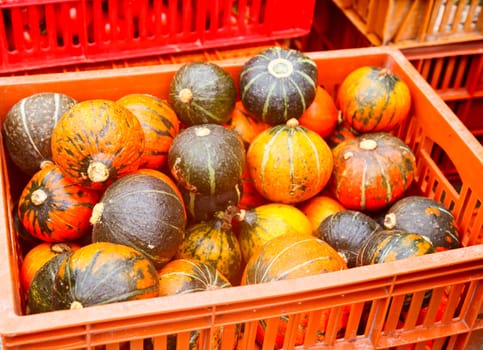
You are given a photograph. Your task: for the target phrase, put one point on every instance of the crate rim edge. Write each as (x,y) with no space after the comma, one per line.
(13,324)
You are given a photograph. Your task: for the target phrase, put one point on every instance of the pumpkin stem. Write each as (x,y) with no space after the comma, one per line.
(96,213)
(368,145)
(202,131)
(97,172)
(75,305)
(280,68)
(38,197)
(185,95)
(390,221)
(240,216)
(60,248)
(292,123)
(46,163)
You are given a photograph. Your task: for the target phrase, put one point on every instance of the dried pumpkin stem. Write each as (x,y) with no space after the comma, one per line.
(75,305)
(280,68)
(97,172)
(38,197)
(96,213)
(368,145)
(60,248)
(292,123)
(185,95)
(390,221)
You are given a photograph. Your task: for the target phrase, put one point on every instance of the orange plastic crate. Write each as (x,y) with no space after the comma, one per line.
(408,23)
(47,33)
(375,294)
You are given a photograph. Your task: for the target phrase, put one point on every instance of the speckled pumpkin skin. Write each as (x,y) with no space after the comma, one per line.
(289,163)
(160,125)
(391,245)
(102,273)
(372,171)
(97,132)
(373,99)
(28,126)
(52,208)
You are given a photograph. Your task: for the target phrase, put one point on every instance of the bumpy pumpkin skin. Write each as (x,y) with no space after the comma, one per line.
(160,125)
(52,208)
(207,159)
(102,273)
(278,84)
(373,99)
(96,142)
(372,171)
(262,223)
(427,217)
(391,245)
(143,212)
(202,92)
(289,163)
(28,126)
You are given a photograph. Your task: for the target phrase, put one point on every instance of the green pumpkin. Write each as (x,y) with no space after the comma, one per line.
(202,92)
(278,84)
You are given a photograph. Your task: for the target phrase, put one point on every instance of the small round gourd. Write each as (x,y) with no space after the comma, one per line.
(160,125)
(347,231)
(391,245)
(372,171)
(427,217)
(278,84)
(202,92)
(289,163)
(102,273)
(144,212)
(214,242)
(207,159)
(373,99)
(262,223)
(28,126)
(96,142)
(319,207)
(52,208)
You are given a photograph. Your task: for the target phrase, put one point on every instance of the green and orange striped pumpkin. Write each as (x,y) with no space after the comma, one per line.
(214,242)
(52,208)
(96,142)
(373,99)
(289,163)
(144,212)
(372,171)
(102,273)
(160,125)
(278,84)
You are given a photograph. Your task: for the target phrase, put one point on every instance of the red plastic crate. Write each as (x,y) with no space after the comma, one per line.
(47,33)
(374,294)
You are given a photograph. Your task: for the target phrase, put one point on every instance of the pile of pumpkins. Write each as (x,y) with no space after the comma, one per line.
(218,185)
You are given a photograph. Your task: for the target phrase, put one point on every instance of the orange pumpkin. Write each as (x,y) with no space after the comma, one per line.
(244,124)
(373,99)
(160,125)
(372,171)
(103,272)
(259,225)
(291,256)
(38,256)
(322,115)
(52,208)
(319,207)
(96,142)
(289,163)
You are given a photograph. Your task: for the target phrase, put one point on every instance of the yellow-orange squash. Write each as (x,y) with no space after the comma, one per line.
(289,163)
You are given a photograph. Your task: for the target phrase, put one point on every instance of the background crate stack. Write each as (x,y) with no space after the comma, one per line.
(52,33)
